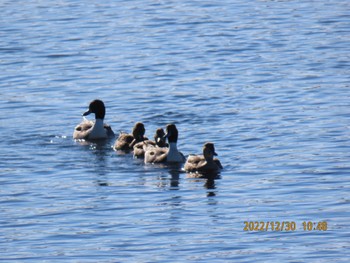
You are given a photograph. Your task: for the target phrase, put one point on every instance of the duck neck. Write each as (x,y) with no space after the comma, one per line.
(98,130)
(100,114)
(209,158)
(98,122)
(173,154)
(173,147)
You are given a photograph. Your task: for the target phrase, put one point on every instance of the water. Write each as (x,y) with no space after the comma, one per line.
(266,81)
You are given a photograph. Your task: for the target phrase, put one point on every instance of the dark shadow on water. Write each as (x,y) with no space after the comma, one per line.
(175,177)
(172,182)
(210,185)
(209,181)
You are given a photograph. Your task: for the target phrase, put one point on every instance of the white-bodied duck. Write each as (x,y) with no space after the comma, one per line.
(94,130)
(164,154)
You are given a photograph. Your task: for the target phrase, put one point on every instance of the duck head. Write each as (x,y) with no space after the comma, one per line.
(97,107)
(171,133)
(209,151)
(159,137)
(138,131)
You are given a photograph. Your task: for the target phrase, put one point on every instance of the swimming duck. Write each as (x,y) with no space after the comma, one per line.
(164,154)
(126,141)
(159,141)
(92,130)
(205,163)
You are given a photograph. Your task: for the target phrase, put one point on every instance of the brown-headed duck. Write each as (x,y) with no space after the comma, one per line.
(159,141)
(126,141)
(205,163)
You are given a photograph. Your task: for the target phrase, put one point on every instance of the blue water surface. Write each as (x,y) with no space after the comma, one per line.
(266,81)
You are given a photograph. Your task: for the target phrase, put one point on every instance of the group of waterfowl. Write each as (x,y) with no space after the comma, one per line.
(153,151)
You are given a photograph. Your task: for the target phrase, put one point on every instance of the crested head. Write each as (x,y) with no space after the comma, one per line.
(97,107)
(171,133)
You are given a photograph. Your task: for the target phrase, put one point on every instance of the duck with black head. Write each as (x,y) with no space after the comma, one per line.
(126,141)
(94,130)
(164,154)
(204,164)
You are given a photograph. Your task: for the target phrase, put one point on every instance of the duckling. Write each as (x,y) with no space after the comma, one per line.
(126,142)
(92,130)
(159,141)
(204,163)
(163,154)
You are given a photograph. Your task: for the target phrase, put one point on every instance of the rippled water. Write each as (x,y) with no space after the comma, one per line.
(266,81)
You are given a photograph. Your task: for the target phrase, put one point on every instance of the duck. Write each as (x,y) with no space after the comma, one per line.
(164,154)
(204,164)
(159,141)
(126,141)
(93,130)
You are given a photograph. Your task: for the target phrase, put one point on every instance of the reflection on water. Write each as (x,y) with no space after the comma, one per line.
(210,185)
(175,177)
(208,178)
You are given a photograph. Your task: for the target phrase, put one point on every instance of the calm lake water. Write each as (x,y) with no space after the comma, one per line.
(266,81)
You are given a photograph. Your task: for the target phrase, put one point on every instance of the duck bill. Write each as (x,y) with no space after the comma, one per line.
(86,113)
(215,154)
(166,135)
